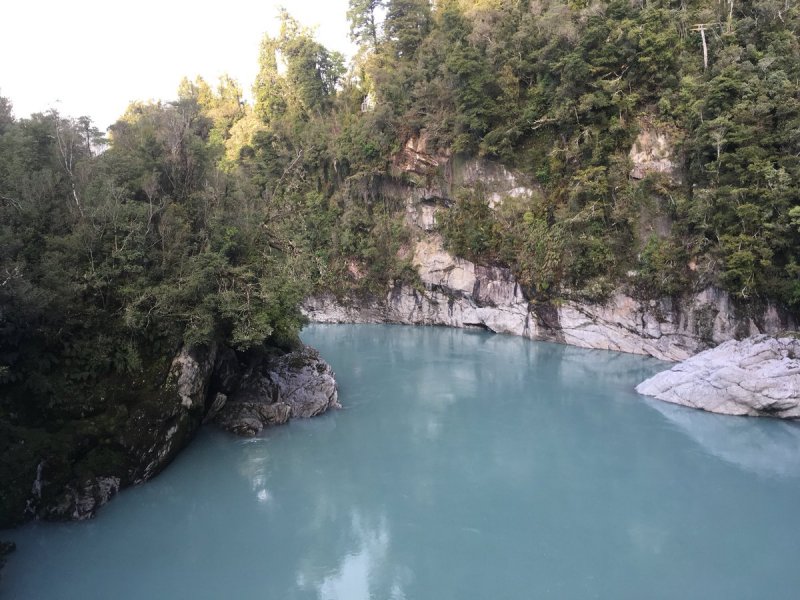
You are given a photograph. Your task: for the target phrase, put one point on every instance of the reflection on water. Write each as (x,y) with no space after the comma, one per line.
(464,466)
(762,446)
(363,574)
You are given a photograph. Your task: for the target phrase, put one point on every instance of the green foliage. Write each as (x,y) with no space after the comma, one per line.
(312,73)
(363,22)
(108,259)
(406,24)
(662,269)
(558,90)
(469,227)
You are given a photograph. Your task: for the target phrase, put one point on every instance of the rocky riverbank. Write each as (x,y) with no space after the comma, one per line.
(457,293)
(72,476)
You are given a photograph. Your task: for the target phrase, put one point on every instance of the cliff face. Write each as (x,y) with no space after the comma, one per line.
(70,476)
(71,471)
(458,293)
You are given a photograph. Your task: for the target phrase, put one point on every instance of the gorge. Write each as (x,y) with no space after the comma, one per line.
(591,173)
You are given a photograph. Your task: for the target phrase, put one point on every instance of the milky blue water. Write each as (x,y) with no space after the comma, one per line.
(465,466)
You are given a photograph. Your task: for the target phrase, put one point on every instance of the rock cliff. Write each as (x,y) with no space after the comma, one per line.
(75,476)
(458,293)
(150,435)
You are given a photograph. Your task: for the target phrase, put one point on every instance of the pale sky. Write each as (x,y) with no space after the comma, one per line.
(93,57)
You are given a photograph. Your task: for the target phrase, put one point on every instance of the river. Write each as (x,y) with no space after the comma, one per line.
(465,465)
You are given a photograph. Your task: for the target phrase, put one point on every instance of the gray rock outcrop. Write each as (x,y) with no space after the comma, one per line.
(458,293)
(200,385)
(652,152)
(273,390)
(758,376)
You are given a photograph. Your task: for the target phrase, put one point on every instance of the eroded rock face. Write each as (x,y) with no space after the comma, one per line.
(652,152)
(159,429)
(436,173)
(273,390)
(201,385)
(418,158)
(758,376)
(458,293)
(82,503)
(155,431)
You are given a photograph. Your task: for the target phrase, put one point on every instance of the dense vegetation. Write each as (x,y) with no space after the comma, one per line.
(561,89)
(208,219)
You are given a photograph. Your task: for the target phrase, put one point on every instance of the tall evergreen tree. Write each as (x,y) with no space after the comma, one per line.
(363,22)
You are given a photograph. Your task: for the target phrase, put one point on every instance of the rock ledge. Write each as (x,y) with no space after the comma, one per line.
(757,376)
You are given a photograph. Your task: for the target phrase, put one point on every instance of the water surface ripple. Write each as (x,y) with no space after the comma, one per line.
(465,466)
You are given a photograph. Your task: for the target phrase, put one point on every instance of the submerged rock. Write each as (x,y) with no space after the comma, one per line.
(758,376)
(272,390)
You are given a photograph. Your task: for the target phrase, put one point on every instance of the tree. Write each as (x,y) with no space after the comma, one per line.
(311,74)
(268,90)
(363,25)
(406,25)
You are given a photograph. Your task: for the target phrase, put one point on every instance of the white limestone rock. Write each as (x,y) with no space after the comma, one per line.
(438,267)
(652,152)
(459,293)
(757,376)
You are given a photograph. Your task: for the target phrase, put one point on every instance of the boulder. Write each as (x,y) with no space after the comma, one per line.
(757,376)
(274,389)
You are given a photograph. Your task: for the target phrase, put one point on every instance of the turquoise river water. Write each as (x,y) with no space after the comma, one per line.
(464,466)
